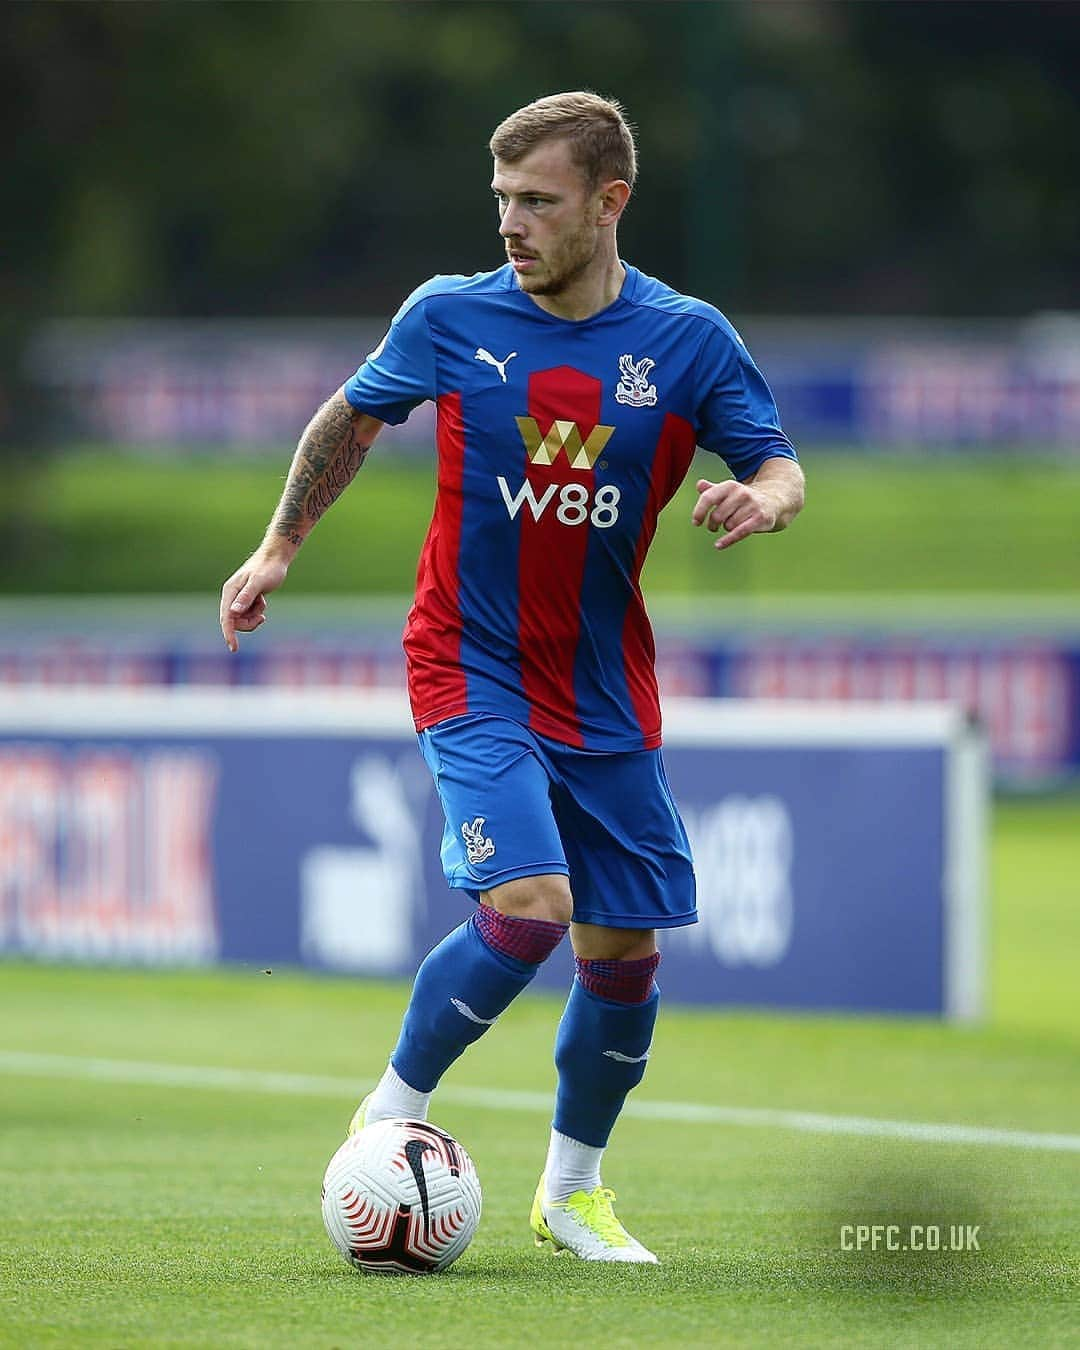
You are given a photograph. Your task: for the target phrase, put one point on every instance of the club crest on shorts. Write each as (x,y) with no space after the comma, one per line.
(477,847)
(634,387)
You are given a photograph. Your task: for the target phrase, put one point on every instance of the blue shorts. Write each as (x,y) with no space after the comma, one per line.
(520,805)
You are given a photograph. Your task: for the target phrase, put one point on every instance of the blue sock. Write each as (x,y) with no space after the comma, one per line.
(600,1053)
(460,989)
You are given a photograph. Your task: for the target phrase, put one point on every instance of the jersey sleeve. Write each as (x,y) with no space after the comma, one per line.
(400,372)
(736,413)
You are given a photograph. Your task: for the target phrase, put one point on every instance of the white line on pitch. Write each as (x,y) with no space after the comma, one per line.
(15,1062)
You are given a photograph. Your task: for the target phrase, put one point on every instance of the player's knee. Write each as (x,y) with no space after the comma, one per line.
(542,897)
(593,942)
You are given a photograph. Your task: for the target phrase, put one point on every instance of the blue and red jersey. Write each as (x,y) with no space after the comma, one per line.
(559,442)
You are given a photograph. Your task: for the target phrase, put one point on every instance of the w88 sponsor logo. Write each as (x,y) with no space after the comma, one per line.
(573,502)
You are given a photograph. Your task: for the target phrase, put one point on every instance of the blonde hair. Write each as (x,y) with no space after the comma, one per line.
(601,141)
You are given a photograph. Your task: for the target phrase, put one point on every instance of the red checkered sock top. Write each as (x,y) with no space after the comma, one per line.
(620,981)
(528,940)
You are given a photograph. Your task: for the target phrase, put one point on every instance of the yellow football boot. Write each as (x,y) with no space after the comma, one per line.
(585,1224)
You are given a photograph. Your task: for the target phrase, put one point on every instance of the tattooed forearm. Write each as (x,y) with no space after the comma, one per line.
(336,477)
(330,452)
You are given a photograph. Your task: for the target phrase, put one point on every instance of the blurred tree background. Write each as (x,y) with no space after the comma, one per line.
(169,159)
(175,158)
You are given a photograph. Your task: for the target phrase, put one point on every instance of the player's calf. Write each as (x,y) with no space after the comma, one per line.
(460,990)
(601,1052)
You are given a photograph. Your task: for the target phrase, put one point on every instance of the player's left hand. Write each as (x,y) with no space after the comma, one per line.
(739,509)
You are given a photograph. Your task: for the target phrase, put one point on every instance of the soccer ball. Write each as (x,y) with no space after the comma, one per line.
(401,1196)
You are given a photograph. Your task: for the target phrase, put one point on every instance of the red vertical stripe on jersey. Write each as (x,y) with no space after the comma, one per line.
(437,686)
(674,453)
(551,561)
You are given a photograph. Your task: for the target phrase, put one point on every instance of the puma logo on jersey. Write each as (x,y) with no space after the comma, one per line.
(482,354)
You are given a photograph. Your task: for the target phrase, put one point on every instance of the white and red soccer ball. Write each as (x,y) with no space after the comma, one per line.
(401,1196)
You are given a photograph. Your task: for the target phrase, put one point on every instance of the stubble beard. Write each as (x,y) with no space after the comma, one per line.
(573,259)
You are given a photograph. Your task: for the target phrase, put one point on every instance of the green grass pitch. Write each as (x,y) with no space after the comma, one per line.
(142,1214)
(872,524)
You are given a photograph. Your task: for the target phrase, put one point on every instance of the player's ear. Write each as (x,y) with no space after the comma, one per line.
(613,198)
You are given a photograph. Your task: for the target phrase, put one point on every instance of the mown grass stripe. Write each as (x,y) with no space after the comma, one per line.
(16,1063)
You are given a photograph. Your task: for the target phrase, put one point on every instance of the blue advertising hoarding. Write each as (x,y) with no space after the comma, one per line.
(871,384)
(839,850)
(1017,672)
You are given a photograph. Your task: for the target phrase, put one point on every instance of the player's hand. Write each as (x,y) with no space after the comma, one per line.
(243,597)
(739,509)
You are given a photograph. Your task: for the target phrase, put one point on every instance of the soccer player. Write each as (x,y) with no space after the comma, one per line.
(571,391)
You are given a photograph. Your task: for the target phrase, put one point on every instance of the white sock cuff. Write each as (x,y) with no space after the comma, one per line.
(571,1146)
(394,1081)
(571,1166)
(394,1097)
